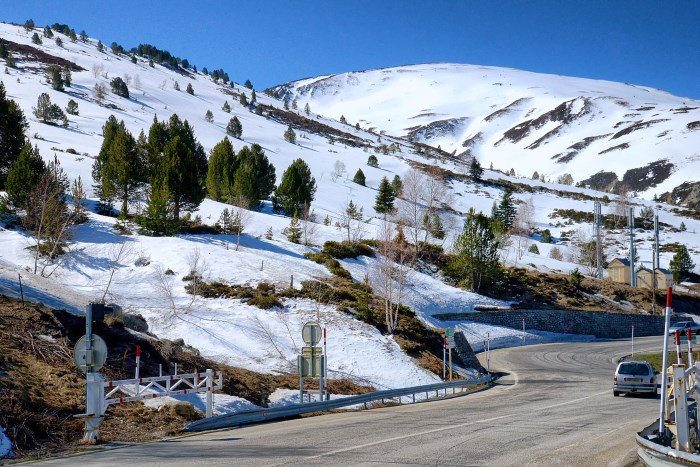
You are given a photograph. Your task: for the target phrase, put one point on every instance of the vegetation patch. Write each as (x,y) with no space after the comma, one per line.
(345,249)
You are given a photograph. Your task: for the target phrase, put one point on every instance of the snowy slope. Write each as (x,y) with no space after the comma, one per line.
(518,119)
(230,330)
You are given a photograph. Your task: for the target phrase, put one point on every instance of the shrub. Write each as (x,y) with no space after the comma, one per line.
(533,249)
(555,253)
(546,236)
(345,249)
(575,278)
(372,161)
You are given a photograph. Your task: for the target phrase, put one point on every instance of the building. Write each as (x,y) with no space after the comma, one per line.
(645,278)
(619,270)
(664,278)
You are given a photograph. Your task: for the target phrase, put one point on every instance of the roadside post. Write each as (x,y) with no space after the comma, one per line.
(632,340)
(488,352)
(450,343)
(312,361)
(664,365)
(678,347)
(523,329)
(689,334)
(444,357)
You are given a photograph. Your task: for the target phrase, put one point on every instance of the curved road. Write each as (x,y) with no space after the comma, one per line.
(554,408)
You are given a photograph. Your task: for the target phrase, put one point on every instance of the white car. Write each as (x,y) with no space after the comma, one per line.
(634,377)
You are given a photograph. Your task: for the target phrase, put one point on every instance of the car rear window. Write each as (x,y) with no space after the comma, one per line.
(633,369)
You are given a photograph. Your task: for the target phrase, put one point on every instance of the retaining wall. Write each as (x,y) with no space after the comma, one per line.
(599,324)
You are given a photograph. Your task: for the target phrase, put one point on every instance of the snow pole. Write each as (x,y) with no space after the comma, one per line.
(632,340)
(689,335)
(444,357)
(664,364)
(138,364)
(678,346)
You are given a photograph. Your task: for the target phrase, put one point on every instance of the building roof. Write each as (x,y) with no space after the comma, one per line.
(664,271)
(624,261)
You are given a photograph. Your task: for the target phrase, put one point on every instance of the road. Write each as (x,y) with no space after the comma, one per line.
(554,408)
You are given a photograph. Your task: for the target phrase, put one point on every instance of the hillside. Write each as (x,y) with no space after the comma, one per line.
(149,275)
(525,121)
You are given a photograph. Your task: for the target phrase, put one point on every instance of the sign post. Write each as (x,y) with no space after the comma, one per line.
(444,351)
(664,364)
(450,342)
(523,329)
(632,340)
(312,361)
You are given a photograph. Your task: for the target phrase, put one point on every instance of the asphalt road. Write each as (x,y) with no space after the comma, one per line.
(554,408)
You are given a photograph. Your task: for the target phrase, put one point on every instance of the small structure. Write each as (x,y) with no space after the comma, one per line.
(645,278)
(619,270)
(664,278)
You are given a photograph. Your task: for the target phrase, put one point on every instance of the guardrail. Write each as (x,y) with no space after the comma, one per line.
(253,416)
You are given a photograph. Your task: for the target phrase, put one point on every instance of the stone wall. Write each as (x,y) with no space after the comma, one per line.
(599,324)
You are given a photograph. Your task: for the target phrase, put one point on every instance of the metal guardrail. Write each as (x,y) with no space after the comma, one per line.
(253,416)
(653,454)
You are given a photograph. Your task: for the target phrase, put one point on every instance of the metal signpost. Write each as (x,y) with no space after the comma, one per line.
(312,361)
(450,344)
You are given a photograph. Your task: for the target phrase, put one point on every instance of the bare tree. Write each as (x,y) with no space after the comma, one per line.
(392,273)
(118,253)
(309,227)
(97,69)
(241,218)
(339,170)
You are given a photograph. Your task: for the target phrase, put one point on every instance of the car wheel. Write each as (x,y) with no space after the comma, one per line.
(616,393)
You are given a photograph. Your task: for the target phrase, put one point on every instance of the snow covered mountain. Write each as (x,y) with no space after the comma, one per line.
(526,121)
(267,340)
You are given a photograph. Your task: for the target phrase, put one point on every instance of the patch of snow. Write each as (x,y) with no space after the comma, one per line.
(5,444)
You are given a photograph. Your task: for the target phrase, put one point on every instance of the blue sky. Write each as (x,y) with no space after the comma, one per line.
(652,43)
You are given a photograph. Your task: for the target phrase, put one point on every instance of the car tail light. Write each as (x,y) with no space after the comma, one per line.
(651,380)
(615,378)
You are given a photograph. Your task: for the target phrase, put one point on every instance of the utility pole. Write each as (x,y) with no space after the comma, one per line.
(598,246)
(655,261)
(633,272)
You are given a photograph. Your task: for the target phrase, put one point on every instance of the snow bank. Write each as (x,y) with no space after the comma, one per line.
(5,444)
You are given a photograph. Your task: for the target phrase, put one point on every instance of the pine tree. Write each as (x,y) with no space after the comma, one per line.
(326,220)
(83,36)
(343,120)
(24,175)
(475,170)
(253,97)
(293,232)
(682,227)
(56,78)
(59,42)
(243,100)
(372,161)
(3,50)
(72,107)
(255,176)
(248,84)
(289,135)
(396,185)
(307,110)
(46,111)
(226,107)
(100,46)
(384,203)
(535,176)
(359,177)
(29,25)
(190,89)
(67,77)
(176,86)
(286,103)
(48,33)
(234,128)
(436,228)
(119,87)
(158,219)
(36,39)
(12,139)
(507,210)
(222,168)
(681,264)
(296,189)
(475,258)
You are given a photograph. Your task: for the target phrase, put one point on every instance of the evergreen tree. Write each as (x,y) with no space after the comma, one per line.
(226,107)
(100,46)
(189,89)
(48,33)
(36,39)
(176,86)
(359,177)
(24,175)
(475,259)
(293,232)
(396,186)
(83,36)
(307,110)
(248,84)
(294,104)
(29,25)
(256,174)
(372,161)
(222,168)
(506,209)
(234,128)
(475,170)
(436,228)
(296,189)
(253,97)
(535,175)
(384,203)
(46,111)
(286,103)
(12,139)
(56,78)
(59,41)
(289,135)
(158,218)
(209,116)
(681,264)
(72,107)
(67,76)
(243,100)
(343,120)
(682,227)
(3,50)
(119,87)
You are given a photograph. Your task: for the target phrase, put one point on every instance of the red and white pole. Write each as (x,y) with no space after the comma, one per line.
(325,364)
(444,357)
(138,368)
(678,346)
(689,334)
(488,352)
(632,340)
(664,364)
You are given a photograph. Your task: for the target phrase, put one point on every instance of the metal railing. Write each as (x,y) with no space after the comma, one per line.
(265,414)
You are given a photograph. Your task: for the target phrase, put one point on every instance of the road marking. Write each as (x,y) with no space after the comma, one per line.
(445,428)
